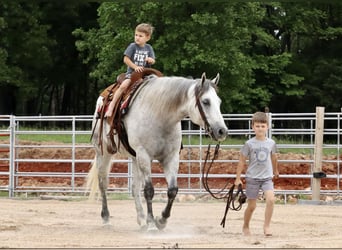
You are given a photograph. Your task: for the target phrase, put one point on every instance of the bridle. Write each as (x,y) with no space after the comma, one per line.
(207,127)
(230,196)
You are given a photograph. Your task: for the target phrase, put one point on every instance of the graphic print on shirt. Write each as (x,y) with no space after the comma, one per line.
(261,154)
(139,57)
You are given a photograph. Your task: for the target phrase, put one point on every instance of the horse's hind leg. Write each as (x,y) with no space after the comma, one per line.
(136,192)
(104,167)
(102,164)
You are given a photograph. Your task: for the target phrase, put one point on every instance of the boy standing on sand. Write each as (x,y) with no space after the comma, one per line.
(262,166)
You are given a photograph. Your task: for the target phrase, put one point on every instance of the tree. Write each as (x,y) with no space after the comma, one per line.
(56,57)
(68,87)
(41,72)
(311,32)
(191,38)
(24,53)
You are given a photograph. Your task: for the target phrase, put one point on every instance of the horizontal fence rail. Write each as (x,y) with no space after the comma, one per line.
(49,154)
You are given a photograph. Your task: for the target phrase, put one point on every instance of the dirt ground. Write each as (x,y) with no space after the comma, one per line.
(41,152)
(37,223)
(194,222)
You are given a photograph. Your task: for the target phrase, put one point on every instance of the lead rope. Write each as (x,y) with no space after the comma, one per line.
(230,196)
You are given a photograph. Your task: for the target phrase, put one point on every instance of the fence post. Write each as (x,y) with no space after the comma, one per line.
(5,149)
(269,115)
(318,152)
(12,170)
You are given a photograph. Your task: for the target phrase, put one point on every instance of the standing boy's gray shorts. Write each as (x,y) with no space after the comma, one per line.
(254,185)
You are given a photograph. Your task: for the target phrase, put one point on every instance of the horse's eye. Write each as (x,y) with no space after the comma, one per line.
(206,102)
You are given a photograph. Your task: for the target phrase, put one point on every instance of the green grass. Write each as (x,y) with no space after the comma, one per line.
(68,197)
(304,197)
(3,194)
(62,137)
(119,196)
(195,140)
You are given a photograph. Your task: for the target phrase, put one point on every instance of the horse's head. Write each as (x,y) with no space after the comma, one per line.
(208,104)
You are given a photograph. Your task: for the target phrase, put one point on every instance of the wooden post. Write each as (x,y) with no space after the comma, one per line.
(318,152)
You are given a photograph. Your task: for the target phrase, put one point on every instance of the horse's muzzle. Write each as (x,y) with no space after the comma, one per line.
(218,133)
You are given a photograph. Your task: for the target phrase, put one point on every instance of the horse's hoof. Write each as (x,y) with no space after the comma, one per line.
(107,224)
(161,223)
(152,230)
(151,227)
(141,221)
(143,228)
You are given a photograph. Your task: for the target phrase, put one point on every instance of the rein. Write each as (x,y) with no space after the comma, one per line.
(230,196)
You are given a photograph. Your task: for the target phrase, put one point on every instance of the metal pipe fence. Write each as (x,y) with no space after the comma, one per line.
(66,170)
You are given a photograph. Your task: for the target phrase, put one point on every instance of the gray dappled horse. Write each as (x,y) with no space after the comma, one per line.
(153,126)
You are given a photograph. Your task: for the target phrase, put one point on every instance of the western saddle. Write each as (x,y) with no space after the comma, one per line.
(120,108)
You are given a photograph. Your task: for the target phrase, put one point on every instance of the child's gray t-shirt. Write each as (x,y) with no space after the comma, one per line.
(259,154)
(138,55)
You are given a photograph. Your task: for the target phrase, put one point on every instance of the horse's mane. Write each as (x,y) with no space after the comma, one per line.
(166,94)
(175,88)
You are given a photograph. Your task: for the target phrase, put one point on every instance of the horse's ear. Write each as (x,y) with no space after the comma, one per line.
(216,79)
(203,78)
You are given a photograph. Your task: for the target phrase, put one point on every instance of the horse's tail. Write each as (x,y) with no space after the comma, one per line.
(92,184)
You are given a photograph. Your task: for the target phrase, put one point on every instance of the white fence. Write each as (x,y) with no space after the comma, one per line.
(29,166)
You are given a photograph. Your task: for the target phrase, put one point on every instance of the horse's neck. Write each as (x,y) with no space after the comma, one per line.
(170,99)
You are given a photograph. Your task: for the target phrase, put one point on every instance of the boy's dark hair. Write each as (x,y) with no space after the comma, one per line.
(260,117)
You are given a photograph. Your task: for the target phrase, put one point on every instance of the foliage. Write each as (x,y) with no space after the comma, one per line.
(24,50)
(37,55)
(56,56)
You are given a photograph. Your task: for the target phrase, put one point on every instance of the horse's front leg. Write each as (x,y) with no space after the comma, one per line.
(171,172)
(171,195)
(149,194)
(144,167)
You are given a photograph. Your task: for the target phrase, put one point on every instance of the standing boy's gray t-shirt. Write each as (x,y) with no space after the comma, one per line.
(138,55)
(259,154)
